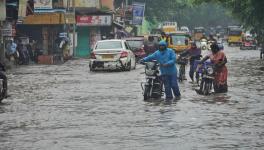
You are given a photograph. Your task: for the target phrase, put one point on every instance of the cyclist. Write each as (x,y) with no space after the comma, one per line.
(193,53)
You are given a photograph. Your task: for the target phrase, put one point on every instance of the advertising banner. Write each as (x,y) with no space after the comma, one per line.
(42,4)
(2,10)
(83,3)
(104,20)
(22,10)
(138,13)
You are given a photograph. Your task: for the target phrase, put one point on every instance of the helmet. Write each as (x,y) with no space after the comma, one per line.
(163,43)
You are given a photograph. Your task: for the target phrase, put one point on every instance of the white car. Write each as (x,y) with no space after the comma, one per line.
(112,55)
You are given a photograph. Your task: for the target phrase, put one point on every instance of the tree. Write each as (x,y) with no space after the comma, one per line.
(185,12)
(249,12)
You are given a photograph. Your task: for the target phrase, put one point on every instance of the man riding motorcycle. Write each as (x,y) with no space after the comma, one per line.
(193,53)
(166,58)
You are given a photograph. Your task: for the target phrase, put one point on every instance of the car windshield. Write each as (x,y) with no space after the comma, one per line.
(235,32)
(135,43)
(178,40)
(109,45)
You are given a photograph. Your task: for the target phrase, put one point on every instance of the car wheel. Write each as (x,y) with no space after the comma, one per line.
(91,68)
(128,66)
(135,66)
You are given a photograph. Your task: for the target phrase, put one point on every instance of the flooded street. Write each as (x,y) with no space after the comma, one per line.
(66,107)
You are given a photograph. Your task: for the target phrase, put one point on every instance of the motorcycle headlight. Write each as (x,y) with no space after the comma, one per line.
(150,72)
(210,70)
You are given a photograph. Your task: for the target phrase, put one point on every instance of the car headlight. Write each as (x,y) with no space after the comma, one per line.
(210,70)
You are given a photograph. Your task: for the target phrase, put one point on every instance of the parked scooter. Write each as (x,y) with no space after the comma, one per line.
(153,87)
(24,56)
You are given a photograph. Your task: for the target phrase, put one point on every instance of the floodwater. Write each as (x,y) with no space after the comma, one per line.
(66,107)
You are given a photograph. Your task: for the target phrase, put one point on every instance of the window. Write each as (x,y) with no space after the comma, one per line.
(109,45)
(135,44)
(127,47)
(178,40)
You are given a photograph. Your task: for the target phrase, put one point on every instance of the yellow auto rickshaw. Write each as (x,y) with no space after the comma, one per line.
(234,36)
(179,41)
(198,33)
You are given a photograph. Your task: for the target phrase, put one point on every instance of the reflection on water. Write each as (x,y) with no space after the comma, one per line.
(67,107)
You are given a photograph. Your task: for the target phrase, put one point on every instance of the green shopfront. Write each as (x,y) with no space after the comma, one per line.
(89,30)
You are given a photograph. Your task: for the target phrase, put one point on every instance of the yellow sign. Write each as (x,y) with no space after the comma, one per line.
(83,3)
(70,18)
(49,18)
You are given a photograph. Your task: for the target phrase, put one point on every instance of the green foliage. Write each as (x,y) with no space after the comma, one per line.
(249,12)
(186,12)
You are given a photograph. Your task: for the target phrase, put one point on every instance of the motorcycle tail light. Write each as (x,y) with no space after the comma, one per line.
(93,55)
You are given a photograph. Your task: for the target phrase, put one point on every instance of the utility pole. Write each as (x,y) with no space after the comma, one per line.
(74,27)
(125,8)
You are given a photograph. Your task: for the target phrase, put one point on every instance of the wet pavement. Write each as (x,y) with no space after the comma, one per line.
(66,107)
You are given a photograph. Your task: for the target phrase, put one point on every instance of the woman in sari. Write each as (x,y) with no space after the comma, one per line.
(218,58)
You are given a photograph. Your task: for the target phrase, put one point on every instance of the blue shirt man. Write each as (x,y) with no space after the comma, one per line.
(167,59)
(11,47)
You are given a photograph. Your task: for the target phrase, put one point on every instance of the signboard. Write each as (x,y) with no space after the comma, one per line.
(8,32)
(83,3)
(22,10)
(104,20)
(108,4)
(42,4)
(70,18)
(2,10)
(138,13)
(47,18)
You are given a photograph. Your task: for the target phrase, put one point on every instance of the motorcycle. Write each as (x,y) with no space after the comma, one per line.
(262,53)
(203,44)
(209,43)
(182,61)
(153,87)
(2,90)
(14,58)
(205,78)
